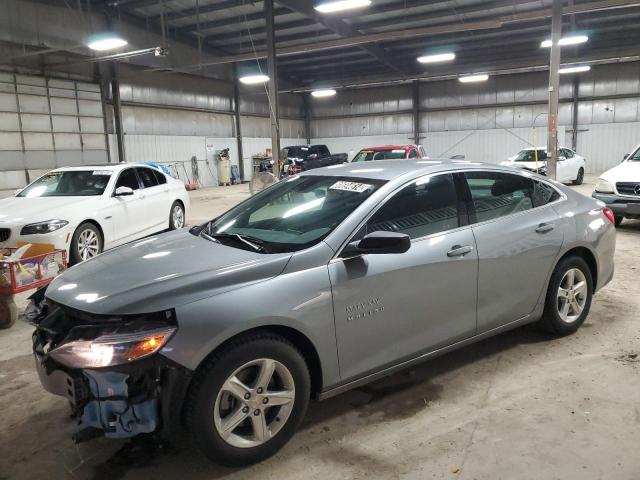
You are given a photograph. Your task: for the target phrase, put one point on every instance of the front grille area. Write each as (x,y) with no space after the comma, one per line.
(628,188)
(5,233)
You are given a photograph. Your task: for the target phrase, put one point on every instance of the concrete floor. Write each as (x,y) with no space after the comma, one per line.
(517,406)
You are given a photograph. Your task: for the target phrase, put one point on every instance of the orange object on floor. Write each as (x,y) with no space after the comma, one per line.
(36,248)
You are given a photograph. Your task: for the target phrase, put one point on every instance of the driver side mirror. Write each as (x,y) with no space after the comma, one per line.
(123,192)
(378,243)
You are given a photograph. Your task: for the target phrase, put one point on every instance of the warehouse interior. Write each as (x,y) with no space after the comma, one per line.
(514,406)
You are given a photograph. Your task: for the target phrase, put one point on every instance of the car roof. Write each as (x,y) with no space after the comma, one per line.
(114,167)
(543,148)
(392,169)
(389,147)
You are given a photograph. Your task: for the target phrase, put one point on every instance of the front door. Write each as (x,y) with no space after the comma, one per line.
(518,239)
(391,307)
(125,212)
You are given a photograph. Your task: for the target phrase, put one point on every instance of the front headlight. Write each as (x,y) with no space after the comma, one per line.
(110,350)
(47,226)
(603,186)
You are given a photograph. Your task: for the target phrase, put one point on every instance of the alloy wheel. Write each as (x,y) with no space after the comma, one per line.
(254,403)
(88,244)
(572,295)
(177,216)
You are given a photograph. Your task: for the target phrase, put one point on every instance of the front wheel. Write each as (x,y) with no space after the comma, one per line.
(568,297)
(580,178)
(248,400)
(86,243)
(176,217)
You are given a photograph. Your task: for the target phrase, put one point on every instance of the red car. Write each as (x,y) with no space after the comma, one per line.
(390,152)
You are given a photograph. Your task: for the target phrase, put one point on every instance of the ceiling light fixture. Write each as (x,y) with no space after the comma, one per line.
(477,77)
(577,69)
(341,5)
(439,57)
(104,43)
(324,92)
(254,79)
(564,41)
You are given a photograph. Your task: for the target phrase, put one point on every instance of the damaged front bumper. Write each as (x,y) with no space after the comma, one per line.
(120,401)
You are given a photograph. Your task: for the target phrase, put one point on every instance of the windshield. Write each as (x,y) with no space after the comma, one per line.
(530,156)
(368,155)
(635,156)
(296,152)
(293,214)
(76,183)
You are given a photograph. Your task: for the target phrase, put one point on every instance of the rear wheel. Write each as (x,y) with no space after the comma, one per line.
(86,243)
(580,178)
(568,297)
(176,218)
(618,220)
(248,400)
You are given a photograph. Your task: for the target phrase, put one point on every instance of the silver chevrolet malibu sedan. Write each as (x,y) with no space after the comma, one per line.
(321,283)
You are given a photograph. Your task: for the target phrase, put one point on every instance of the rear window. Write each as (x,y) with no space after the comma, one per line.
(368,155)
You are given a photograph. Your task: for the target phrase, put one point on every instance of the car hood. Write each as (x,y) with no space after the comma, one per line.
(625,172)
(159,273)
(22,210)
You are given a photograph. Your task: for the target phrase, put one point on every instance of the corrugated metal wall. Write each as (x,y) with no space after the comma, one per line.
(489,121)
(46,123)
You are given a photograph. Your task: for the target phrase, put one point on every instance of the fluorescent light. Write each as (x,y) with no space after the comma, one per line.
(254,79)
(572,40)
(478,77)
(325,92)
(109,43)
(440,57)
(578,69)
(340,5)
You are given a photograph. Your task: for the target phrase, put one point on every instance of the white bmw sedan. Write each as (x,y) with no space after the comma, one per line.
(570,166)
(85,210)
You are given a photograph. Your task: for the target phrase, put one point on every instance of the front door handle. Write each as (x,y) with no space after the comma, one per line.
(459,250)
(545,227)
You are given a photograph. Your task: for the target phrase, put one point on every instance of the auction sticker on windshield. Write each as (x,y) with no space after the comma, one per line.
(350,186)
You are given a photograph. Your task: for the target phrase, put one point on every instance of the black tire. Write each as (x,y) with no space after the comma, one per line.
(618,220)
(8,312)
(172,221)
(580,178)
(551,320)
(75,249)
(208,382)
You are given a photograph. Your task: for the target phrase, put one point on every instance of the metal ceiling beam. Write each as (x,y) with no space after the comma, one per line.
(259,31)
(226,22)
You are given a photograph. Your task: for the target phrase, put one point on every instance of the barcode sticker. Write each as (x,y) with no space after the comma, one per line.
(350,186)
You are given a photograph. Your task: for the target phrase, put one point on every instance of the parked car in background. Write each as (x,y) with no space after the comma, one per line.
(307,157)
(389,152)
(382,267)
(85,210)
(570,165)
(619,187)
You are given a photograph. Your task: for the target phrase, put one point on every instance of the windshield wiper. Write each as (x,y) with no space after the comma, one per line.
(253,242)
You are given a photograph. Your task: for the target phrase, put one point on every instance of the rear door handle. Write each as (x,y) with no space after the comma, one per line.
(458,250)
(545,227)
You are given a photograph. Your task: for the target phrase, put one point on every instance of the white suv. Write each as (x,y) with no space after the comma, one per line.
(619,187)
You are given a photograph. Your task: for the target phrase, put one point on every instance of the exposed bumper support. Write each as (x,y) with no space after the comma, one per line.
(621,206)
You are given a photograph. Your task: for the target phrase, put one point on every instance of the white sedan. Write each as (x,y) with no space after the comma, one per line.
(85,210)
(570,166)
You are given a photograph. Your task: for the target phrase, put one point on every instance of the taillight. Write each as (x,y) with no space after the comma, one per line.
(609,214)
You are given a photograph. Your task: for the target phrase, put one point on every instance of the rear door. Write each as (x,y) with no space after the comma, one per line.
(155,199)
(518,236)
(393,307)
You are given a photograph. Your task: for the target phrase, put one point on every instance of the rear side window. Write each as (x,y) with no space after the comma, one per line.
(147,177)
(497,194)
(543,194)
(129,179)
(160,177)
(424,207)
(413,153)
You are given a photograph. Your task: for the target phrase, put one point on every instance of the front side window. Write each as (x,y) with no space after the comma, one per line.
(635,156)
(74,183)
(497,194)
(425,207)
(147,176)
(129,179)
(293,214)
(567,153)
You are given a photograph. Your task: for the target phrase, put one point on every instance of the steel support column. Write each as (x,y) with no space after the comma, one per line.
(117,113)
(307,116)
(574,114)
(236,115)
(416,112)
(273,85)
(554,87)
